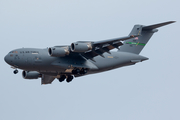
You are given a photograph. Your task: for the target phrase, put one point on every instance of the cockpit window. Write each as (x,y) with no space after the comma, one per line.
(13,52)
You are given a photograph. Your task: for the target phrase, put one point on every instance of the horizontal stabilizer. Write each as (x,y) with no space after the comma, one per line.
(150,27)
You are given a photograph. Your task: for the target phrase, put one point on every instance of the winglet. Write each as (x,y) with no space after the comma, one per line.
(150,27)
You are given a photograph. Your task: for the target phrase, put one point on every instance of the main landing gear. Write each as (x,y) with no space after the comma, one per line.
(15,71)
(78,71)
(62,78)
(75,71)
(68,78)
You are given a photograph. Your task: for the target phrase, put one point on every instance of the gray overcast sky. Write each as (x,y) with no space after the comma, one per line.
(146,91)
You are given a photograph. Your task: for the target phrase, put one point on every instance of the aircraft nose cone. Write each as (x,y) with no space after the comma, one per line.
(7,59)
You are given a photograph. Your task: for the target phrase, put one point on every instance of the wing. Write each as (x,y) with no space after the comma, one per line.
(90,49)
(99,47)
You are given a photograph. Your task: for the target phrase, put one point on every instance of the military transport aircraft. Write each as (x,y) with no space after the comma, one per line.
(82,57)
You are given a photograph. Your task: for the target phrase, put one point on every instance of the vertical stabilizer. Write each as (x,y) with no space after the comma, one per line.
(135,45)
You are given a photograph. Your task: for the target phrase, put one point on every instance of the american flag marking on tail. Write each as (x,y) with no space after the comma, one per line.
(136,38)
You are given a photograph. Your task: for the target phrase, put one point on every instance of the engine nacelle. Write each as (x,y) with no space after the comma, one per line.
(31,75)
(58,51)
(81,47)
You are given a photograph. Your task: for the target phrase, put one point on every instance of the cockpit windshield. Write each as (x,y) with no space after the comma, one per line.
(13,52)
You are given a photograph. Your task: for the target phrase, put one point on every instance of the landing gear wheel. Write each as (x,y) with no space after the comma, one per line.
(83,71)
(69,78)
(15,71)
(76,71)
(62,78)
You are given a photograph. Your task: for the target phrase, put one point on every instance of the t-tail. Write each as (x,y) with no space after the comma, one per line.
(136,44)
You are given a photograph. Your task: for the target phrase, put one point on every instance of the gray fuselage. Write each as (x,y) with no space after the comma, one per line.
(31,59)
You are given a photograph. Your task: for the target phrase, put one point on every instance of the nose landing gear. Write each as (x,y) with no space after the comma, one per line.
(15,71)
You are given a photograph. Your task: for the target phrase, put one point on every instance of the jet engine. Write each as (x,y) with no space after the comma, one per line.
(81,47)
(31,75)
(58,51)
